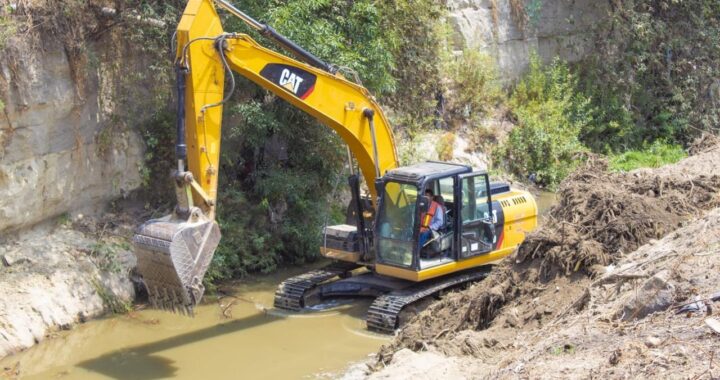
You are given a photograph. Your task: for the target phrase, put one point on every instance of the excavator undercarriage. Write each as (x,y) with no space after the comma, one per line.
(391,295)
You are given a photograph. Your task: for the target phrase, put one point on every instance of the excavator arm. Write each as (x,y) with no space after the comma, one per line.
(174,251)
(205,52)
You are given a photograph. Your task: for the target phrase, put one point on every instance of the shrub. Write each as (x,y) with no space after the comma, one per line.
(550,114)
(652,155)
(445,146)
(473,86)
(653,75)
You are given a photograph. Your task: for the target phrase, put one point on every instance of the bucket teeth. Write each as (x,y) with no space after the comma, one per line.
(173,256)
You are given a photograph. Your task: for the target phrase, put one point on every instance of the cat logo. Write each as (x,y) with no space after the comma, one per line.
(290,81)
(293,79)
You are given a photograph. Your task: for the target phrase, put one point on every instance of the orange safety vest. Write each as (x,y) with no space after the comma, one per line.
(426,218)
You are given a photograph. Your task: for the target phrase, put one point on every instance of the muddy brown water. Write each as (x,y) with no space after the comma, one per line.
(251,341)
(544,200)
(256,342)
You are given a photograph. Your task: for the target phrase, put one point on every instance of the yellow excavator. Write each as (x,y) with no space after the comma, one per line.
(377,253)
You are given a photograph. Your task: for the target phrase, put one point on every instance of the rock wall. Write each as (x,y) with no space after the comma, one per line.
(76,90)
(510,30)
(59,148)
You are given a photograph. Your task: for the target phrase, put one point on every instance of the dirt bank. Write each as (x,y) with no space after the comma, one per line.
(592,292)
(61,273)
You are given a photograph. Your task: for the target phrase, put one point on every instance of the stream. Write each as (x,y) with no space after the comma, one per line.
(250,340)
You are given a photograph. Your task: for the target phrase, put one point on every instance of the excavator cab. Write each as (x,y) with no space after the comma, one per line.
(403,203)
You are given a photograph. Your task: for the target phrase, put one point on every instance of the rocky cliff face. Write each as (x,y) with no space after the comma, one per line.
(59,148)
(509,30)
(76,88)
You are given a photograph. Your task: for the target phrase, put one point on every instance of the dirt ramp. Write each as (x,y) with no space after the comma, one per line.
(601,216)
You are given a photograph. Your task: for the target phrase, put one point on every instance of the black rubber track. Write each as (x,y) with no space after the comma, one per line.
(385,310)
(291,292)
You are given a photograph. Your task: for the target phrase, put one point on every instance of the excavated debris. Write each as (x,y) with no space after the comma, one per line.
(600,217)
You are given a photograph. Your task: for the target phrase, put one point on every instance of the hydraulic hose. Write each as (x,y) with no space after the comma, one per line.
(180,147)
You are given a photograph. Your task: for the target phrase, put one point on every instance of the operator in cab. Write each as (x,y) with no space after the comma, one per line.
(432,220)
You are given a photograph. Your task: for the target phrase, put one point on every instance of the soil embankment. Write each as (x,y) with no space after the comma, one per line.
(56,275)
(595,291)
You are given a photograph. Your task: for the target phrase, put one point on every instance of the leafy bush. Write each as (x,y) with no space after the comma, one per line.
(445,146)
(474,86)
(414,32)
(652,155)
(278,168)
(550,114)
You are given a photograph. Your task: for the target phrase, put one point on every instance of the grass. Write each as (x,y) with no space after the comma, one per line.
(565,349)
(8,29)
(112,303)
(652,156)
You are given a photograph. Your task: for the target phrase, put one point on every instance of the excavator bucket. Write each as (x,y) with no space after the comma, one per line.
(172,257)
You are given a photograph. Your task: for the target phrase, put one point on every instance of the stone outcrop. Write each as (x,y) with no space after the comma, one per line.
(59,149)
(509,30)
(51,278)
(75,93)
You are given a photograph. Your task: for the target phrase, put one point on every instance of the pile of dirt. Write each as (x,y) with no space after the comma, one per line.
(601,217)
(651,315)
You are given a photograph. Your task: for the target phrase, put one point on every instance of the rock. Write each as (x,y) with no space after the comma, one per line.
(652,341)
(655,295)
(14,257)
(559,29)
(55,289)
(615,357)
(714,324)
(52,161)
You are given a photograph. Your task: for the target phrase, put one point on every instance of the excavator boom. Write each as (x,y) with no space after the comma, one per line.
(175,251)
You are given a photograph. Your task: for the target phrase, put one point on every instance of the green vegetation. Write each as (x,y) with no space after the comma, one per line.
(445,145)
(550,114)
(561,350)
(105,254)
(277,172)
(473,86)
(112,303)
(653,75)
(415,33)
(64,220)
(8,29)
(651,156)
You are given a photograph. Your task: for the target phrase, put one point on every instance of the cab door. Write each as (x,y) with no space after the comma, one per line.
(476,233)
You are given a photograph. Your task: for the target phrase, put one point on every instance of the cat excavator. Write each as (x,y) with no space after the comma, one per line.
(377,253)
